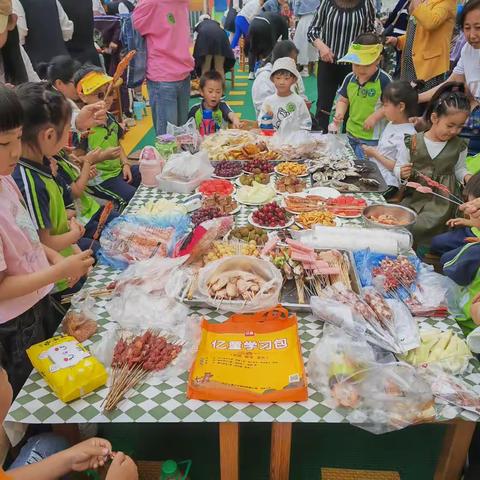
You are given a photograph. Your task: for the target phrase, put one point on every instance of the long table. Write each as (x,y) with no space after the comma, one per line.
(166,402)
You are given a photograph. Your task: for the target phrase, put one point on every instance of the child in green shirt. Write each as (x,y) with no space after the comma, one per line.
(361,92)
(116,180)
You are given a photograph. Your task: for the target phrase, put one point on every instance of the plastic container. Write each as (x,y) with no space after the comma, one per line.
(207,127)
(138,110)
(176,186)
(171,470)
(150,165)
(166,145)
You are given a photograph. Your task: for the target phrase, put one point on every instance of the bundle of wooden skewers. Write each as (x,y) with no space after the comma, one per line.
(134,358)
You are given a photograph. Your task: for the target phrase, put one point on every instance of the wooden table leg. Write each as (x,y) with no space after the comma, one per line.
(229,451)
(280,451)
(455,450)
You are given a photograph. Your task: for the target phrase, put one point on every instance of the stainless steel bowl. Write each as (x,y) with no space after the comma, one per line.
(403,214)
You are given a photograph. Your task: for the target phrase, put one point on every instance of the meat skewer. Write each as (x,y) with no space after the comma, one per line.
(428,190)
(432,183)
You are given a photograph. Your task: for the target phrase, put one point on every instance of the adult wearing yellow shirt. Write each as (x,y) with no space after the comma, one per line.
(426,44)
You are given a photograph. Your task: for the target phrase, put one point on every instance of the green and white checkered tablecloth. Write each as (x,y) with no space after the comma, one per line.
(167,401)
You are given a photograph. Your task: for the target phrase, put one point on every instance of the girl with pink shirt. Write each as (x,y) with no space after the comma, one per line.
(165,26)
(28,269)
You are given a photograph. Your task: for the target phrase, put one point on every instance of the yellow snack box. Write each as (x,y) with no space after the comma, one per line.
(67,366)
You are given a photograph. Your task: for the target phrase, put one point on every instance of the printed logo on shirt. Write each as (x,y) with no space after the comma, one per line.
(367,92)
(171,18)
(284,113)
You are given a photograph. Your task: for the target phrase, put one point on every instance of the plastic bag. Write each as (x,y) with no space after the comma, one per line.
(382,395)
(186,167)
(347,310)
(443,349)
(129,239)
(337,145)
(67,366)
(79,322)
(231,268)
(187,135)
(394,396)
(366,261)
(451,390)
(188,337)
(337,364)
(144,297)
(435,295)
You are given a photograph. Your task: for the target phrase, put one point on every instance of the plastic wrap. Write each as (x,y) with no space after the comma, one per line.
(451,390)
(144,296)
(186,135)
(129,239)
(381,397)
(78,321)
(188,337)
(354,238)
(186,167)
(366,261)
(441,349)
(236,267)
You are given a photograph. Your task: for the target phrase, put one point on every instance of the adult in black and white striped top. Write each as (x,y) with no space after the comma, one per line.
(335,25)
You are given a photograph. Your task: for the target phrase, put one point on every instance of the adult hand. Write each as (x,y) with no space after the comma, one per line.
(91,116)
(459,222)
(391,41)
(127,173)
(91,453)
(326,53)
(406,171)
(472,208)
(122,468)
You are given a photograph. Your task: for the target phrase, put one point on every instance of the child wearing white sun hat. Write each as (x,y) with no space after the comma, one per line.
(287,109)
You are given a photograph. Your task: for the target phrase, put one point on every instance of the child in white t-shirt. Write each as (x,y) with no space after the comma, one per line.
(285,107)
(400,101)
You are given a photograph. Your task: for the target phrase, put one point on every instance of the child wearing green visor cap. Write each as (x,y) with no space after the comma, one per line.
(360,93)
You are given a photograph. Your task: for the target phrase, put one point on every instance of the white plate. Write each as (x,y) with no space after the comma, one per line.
(303,194)
(225,178)
(279,227)
(325,192)
(348,217)
(288,174)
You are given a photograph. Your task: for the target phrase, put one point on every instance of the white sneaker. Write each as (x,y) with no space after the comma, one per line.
(251,76)
(304,72)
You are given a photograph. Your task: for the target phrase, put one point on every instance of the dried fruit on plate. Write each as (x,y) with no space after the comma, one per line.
(346,205)
(290,184)
(292,168)
(225,204)
(322,217)
(249,233)
(215,185)
(248,179)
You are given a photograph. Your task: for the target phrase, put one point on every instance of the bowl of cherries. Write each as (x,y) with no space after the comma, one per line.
(271,216)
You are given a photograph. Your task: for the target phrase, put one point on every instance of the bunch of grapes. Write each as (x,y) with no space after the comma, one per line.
(204,214)
(270,215)
(258,166)
(228,169)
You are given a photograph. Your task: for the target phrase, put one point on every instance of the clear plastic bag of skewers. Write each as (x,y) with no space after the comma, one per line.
(387,324)
(373,391)
(148,356)
(396,276)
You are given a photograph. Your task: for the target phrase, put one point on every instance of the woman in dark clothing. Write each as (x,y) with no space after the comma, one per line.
(336,24)
(212,49)
(81,46)
(263,34)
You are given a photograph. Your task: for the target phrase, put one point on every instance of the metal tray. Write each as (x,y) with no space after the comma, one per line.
(371,171)
(288,296)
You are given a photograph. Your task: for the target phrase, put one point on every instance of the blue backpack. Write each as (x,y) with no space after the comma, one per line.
(132,40)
